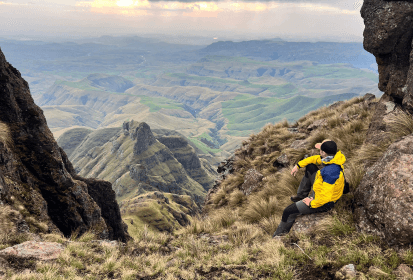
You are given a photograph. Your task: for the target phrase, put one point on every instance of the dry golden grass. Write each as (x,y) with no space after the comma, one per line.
(5,136)
(401,125)
(259,208)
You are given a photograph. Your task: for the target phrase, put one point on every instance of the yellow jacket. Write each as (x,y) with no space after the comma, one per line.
(329,182)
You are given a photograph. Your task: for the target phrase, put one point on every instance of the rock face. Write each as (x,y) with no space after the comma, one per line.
(224,169)
(36,172)
(385,195)
(388,36)
(252,181)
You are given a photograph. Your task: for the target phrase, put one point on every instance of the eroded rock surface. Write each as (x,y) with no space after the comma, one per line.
(252,181)
(388,36)
(35,170)
(385,195)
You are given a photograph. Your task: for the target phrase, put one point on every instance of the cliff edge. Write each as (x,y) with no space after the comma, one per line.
(37,178)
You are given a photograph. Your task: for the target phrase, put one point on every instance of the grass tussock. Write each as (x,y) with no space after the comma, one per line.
(401,124)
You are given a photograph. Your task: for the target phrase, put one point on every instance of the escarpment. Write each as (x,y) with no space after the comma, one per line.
(137,161)
(36,175)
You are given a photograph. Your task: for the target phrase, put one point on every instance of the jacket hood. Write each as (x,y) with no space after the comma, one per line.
(338,159)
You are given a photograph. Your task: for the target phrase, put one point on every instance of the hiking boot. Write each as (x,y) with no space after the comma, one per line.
(283,229)
(296,198)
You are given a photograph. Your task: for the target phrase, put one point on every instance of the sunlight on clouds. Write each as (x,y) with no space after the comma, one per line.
(124,3)
(251,7)
(14,4)
(326,9)
(203,9)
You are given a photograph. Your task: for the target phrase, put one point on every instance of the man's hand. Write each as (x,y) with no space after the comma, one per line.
(294,171)
(307,200)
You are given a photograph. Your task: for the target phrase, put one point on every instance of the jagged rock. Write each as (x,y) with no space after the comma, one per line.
(144,138)
(308,223)
(317,124)
(186,155)
(385,194)
(138,172)
(282,161)
(369,97)
(252,181)
(32,249)
(299,144)
(125,127)
(346,272)
(225,167)
(403,272)
(36,171)
(388,36)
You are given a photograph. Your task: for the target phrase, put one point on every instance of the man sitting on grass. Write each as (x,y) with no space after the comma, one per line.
(327,183)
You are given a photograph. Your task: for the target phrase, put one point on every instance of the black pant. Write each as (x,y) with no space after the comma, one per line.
(293,210)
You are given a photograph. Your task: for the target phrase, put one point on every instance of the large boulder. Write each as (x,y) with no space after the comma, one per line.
(388,36)
(385,195)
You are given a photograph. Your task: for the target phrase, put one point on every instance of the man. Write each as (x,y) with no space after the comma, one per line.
(328,185)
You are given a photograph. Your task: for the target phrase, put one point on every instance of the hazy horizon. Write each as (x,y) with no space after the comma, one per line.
(320,20)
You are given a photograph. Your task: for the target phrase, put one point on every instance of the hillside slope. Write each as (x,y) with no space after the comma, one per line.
(144,168)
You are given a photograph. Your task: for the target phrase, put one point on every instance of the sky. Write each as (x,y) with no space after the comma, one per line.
(305,20)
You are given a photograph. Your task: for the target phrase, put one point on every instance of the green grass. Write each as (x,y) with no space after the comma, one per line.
(157,103)
(334,72)
(204,147)
(248,114)
(281,90)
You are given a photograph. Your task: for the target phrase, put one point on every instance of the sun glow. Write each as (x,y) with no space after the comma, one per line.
(124,3)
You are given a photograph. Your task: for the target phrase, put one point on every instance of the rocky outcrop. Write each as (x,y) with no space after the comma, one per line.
(144,138)
(388,36)
(252,181)
(135,161)
(31,249)
(224,169)
(34,169)
(385,195)
(186,155)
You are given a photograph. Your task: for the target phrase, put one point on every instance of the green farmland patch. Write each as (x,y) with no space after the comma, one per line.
(280,90)
(335,72)
(248,114)
(157,103)
(204,147)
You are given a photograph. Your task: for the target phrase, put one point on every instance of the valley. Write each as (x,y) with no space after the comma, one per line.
(196,104)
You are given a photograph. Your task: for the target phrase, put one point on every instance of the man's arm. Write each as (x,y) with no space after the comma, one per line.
(303,163)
